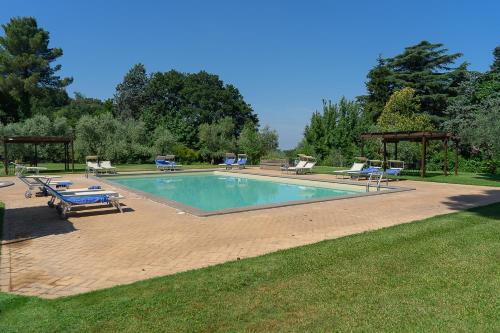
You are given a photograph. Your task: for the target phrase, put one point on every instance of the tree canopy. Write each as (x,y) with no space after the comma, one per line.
(425,67)
(336,129)
(181,101)
(402,113)
(26,70)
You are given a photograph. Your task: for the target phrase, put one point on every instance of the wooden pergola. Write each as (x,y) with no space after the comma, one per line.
(37,140)
(414,136)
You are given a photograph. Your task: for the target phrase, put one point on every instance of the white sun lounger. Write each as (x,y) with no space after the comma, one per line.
(93,167)
(107,167)
(38,182)
(356,167)
(307,168)
(300,165)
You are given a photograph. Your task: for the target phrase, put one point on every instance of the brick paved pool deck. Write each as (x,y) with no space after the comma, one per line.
(45,256)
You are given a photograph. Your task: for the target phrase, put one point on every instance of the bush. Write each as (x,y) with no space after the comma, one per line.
(184,154)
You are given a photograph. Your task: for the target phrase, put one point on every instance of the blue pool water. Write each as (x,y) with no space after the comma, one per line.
(209,192)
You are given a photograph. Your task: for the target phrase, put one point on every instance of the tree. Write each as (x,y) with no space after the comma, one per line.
(402,113)
(255,143)
(110,138)
(250,143)
(130,94)
(337,129)
(81,106)
(489,83)
(182,102)
(424,67)
(495,66)
(216,139)
(25,67)
(380,87)
(485,129)
(269,140)
(164,141)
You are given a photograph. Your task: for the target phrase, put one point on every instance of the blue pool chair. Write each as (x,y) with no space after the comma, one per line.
(365,173)
(66,202)
(396,172)
(242,161)
(162,164)
(229,161)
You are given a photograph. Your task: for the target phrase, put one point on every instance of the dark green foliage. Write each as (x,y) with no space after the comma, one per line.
(379,87)
(130,95)
(489,84)
(25,69)
(181,101)
(425,67)
(474,115)
(80,106)
(495,66)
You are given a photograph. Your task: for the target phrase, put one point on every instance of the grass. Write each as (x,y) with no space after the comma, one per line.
(80,167)
(438,274)
(463,178)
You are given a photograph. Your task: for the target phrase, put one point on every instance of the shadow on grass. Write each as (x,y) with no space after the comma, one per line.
(486,176)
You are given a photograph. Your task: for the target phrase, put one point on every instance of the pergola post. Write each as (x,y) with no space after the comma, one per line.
(72,157)
(396,150)
(5,158)
(446,157)
(423,157)
(65,157)
(385,156)
(35,163)
(456,158)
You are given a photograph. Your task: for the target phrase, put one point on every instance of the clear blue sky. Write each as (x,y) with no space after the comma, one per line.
(284,56)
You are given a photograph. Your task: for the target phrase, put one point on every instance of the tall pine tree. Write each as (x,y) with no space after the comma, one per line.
(425,67)
(25,68)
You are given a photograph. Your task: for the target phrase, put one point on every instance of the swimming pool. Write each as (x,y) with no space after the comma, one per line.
(208,193)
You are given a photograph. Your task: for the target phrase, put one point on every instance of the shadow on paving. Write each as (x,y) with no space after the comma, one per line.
(466,201)
(28,223)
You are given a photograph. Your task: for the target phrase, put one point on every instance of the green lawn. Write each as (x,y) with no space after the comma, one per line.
(439,274)
(464,178)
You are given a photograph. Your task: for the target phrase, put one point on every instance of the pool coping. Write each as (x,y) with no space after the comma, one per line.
(204,213)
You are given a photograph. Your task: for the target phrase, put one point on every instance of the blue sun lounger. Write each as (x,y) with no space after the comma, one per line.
(162,164)
(229,161)
(66,202)
(242,161)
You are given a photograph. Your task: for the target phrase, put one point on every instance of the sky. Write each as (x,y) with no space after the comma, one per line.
(285,57)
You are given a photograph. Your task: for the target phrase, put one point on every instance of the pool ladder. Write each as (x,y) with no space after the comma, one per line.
(374,177)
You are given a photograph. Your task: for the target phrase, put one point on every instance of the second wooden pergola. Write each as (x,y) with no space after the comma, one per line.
(415,136)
